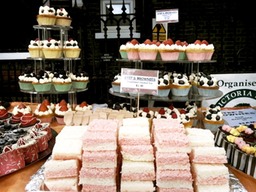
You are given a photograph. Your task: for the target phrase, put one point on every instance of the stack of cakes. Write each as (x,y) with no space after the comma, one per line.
(137,170)
(99,159)
(172,160)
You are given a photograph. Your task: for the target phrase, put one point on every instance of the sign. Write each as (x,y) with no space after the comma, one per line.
(238,90)
(159,31)
(139,81)
(106,57)
(239,116)
(167,16)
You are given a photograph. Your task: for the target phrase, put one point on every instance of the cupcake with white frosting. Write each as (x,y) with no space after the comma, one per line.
(35,48)
(71,49)
(63,18)
(46,15)
(62,81)
(52,48)
(180,85)
(80,79)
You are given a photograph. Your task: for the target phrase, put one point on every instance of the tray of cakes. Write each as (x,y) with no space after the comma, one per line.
(24,140)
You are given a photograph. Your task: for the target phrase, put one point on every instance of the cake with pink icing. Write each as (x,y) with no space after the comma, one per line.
(100,158)
(172,160)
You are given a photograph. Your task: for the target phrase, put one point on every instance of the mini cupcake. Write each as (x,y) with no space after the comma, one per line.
(71,49)
(185,119)
(133,50)
(46,15)
(213,118)
(84,106)
(123,51)
(170,51)
(60,110)
(191,110)
(195,52)
(147,50)
(63,18)
(164,85)
(79,79)
(116,83)
(62,81)
(52,49)
(26,79)
(180,85)
(35,49)
(21,108)
(42,82)
(207,85)
(44,113)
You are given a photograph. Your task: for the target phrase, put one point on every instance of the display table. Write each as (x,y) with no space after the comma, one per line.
(18,180)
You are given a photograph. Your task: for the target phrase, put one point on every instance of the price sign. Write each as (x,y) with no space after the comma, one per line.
(139,80)
(167,16)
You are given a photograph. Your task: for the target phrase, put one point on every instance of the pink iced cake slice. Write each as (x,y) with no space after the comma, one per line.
(61,168)
(99,141)
(137,152)
(98,176)
(137,171)
(172,161)
(211,155)
(99,159)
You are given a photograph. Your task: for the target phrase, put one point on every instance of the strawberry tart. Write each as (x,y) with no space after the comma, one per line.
(44,113)
(61,109)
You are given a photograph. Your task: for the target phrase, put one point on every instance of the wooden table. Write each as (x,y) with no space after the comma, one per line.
(17,181)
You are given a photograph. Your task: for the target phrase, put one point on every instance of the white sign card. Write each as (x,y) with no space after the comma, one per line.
(239,116)
(167,16)
(139,81)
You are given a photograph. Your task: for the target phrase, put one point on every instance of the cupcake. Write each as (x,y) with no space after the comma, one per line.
(52,49)
(84,106)
(116,83)
(42,82)
(35,49)
(185,119)
(71,49)
(208,49)
(180,85)
(79,79)
(60,110)
(182,55)
(207,85)
(195,52)
(46,15)
(191,110)
(133,50)
(164,85)
(194,79)
(63,18)
(213,118)
(62,81)
(123,51)
(44,113)
(21,108)
(26,79)
(170,51)
(147,50)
